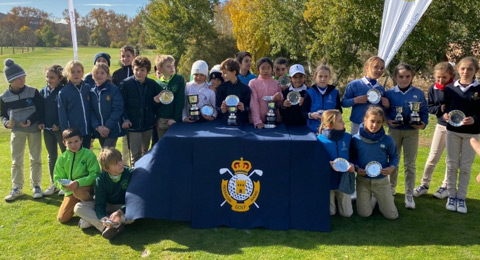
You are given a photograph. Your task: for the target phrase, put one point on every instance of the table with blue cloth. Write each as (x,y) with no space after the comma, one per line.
(217,175)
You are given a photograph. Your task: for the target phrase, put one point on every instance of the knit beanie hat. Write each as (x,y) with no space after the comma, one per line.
(215,73)
(200,67)
(12,71)
(104,55)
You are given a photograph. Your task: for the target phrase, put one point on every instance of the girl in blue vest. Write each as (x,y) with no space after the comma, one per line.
(320,97)
(406,134)
(337,143)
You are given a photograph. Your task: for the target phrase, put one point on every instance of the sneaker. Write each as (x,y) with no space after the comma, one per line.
(61,193)
(409,203)
(50,190)
(451,204)
(15,193)
(441,193)
(83,224)
(353,196)
(420,190)
(111,232)
(461,206)
(37,192)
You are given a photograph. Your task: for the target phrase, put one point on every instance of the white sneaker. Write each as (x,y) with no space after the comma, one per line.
(409,203)
(37,192)
(420,190)
(461,206)
(441,193)
(61,193)
(50,190)
(353,196)
(15,193)
(83,224)
(451,204)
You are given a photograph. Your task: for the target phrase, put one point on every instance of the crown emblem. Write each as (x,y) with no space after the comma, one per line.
(241,166)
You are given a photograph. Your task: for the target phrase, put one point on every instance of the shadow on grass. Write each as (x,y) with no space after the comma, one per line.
(429,224)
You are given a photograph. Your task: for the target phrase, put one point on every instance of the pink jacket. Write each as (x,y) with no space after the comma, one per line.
(260,88)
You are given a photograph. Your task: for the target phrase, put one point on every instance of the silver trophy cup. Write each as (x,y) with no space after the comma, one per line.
(399,116)
(414,116)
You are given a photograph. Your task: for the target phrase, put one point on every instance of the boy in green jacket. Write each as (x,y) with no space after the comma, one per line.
(107,213)
(75,172)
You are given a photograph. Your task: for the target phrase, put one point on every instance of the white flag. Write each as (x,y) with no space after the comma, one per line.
(399,19)
(73,28)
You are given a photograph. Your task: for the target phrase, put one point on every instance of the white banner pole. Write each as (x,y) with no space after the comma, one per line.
(399,19)
(73,28)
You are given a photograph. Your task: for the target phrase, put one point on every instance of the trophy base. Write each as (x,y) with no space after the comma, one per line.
(415,122)
(269,126)
(232,123)
(398,122)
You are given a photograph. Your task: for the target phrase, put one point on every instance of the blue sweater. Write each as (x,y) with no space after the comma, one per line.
(245,79)
(355,88)
(107,109)
(51,105)
(315,101)
(397,98)
(74,107)
(373,147)
(337,144)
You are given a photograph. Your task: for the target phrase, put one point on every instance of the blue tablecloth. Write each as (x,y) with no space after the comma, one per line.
(213,175)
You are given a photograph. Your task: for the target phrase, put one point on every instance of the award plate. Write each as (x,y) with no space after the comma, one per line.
(166,97)
(294,97)
(374,96)
(231,100)
(110,223)
(283,80)
(207,110)
(373,169)
(64,182)
(456,117)
(341,165)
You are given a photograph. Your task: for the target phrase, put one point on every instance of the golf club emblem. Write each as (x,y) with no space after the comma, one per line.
(240,191)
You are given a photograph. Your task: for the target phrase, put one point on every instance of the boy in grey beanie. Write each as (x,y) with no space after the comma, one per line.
(22,111)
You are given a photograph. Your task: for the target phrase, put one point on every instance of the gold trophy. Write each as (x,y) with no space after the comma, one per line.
(399,116)
(194,110)
(414,116)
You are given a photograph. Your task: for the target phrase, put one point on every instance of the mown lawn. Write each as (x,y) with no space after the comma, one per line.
(29,230)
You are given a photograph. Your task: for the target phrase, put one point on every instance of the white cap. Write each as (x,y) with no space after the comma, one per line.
(296,68)
(200,67)
(215,68)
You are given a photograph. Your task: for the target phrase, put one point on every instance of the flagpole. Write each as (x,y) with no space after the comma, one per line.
(73,29)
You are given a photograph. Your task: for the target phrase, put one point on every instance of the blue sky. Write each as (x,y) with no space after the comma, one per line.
(56,7)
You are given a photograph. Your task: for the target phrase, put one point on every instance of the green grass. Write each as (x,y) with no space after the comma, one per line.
(29,230)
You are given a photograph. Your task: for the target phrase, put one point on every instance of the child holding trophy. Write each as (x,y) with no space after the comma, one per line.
(361,93)
(320,97)
(462,102)
(337,144)
(444,74)
(235,111)
(375,157)
(406,115)
(200,99)
(265,90)
(291,109)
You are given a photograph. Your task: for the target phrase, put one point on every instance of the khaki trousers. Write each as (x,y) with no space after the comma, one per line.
(162,127)
(139,143)
(66,210)
(408,139)
(381,189)
(439,142)
(344,202)
(460,155)
(86,211)
(18,141)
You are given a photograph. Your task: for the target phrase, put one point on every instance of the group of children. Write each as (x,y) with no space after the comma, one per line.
(73,109)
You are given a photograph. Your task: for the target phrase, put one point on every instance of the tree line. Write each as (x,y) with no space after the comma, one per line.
(339,33)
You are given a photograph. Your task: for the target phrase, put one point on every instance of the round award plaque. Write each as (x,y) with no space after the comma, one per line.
(373,169)
(283,80)
(207,110)
(231,100)
(455,118)
(64,182)
(374,96)
(166,97)
(341,165)
(294,97)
